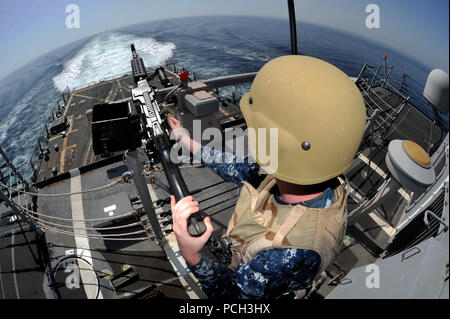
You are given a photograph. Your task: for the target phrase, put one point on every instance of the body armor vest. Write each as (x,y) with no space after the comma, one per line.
(259,223)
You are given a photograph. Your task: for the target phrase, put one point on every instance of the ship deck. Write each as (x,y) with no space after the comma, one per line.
(78,170)
(75,148)
(111,255)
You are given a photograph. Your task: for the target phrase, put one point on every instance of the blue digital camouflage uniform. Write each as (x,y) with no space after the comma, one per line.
(272,272)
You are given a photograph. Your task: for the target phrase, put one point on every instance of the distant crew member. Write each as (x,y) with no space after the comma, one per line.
(288,228)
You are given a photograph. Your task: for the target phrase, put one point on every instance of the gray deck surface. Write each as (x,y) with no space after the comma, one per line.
(146,257)
(76,149)
(20,275)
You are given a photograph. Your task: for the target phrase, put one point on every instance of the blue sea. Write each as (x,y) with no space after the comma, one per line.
(208,46)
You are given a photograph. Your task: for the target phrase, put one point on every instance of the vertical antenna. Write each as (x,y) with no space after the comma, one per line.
(293,27)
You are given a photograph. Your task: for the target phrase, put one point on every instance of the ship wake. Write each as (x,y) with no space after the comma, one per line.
(107,55)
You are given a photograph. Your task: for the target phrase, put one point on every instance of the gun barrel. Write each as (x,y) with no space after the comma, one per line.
(137,66)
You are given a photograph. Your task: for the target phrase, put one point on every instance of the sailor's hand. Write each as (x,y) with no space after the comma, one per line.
(180,134)
(190,247)
(178,131)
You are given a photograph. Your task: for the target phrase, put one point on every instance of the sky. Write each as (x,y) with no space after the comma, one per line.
(31,28)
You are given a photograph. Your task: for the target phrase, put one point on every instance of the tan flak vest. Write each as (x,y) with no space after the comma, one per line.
(260,223)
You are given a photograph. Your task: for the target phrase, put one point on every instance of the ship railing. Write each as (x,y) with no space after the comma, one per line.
(11,177)
(21,197)
(440,124)
(380,114)
(440,163)
(375,79)
(426,215)
(30,169)
(370,76)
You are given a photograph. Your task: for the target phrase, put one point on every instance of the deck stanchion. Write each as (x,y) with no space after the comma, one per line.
(375,75)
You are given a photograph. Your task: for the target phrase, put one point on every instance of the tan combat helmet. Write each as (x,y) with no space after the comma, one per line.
(319,113)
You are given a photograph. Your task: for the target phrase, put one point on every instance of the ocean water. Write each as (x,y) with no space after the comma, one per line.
(208,46)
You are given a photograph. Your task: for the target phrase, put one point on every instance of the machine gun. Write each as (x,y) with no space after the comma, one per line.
(156,133)
(122,126)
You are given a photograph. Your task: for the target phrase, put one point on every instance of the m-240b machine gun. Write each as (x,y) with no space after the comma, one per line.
(157,136)
(122,126)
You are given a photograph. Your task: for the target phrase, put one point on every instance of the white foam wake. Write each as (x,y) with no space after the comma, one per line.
(108,55)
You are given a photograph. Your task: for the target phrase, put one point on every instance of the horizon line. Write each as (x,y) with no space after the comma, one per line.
(352,33)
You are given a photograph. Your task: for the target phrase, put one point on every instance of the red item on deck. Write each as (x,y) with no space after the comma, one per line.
(184,75)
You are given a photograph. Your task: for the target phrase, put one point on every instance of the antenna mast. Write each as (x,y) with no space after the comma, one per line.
(293,27)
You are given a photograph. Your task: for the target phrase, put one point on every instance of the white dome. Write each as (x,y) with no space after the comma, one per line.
(436,90)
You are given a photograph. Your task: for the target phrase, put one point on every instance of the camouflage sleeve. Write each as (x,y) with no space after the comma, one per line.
(274,272)
(231,167)
(270,274)
(217,281)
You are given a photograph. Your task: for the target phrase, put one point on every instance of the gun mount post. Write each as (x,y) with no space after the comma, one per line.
(133,163)
(136,166)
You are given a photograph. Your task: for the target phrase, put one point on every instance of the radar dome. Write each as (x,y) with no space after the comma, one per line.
(436,90)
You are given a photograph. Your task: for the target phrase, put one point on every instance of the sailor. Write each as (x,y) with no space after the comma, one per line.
(289,228)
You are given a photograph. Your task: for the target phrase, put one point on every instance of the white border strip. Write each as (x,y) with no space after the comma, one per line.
(13,259)
(384,225)
(82,243)
(380,172)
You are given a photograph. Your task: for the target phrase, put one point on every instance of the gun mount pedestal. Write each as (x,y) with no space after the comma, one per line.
(136,167)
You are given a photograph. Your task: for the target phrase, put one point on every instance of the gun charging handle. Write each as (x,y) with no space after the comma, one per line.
(196,226)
